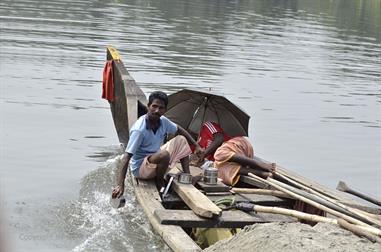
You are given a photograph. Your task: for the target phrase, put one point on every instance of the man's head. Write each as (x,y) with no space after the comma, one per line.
(157,105)
(158,95)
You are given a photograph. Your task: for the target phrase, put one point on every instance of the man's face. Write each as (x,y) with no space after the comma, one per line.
(156,109)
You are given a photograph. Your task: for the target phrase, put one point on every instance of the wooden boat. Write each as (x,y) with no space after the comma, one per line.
(189,207)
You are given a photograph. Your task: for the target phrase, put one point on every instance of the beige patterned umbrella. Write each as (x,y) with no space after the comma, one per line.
(190,109)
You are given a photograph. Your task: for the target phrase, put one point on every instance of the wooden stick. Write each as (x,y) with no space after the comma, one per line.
(294,213)
(358,231)
(342,186)
(353,212)
(313,203)
(313,217)
(307,182)
(321,201)
(261,192)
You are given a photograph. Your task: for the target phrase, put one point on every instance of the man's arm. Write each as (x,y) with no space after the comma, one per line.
(218,139)
(182,131)
(119,189)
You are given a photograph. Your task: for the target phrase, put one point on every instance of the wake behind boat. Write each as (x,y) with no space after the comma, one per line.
(217,208)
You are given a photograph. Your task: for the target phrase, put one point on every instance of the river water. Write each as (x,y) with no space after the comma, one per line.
(308,73)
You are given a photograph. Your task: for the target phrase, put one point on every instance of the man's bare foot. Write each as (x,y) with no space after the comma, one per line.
(271,167)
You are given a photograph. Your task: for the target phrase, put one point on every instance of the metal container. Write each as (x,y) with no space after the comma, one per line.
(118,202)
(210,176)
(185,178)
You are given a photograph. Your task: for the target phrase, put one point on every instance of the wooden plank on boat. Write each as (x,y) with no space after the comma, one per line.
(148,197)
(196,201)
(228,219)
(219,187)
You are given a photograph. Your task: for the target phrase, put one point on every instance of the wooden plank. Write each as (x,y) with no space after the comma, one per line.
(219,187)
(195,200)
(148,197)
(228,219)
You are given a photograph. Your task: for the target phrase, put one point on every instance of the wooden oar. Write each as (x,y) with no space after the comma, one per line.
(344,188)
(313,203)
(366,217)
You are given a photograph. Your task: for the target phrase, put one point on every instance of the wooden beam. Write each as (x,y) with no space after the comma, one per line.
(149,199)
(228,219)
(196,201)
(219,187)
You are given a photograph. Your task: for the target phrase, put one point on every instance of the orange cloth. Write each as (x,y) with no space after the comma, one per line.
(229,171)
(108,82)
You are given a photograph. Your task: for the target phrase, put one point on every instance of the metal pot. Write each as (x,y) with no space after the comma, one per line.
(185,178)
(210,176)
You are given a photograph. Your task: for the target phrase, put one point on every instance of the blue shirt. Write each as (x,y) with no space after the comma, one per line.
(143,141)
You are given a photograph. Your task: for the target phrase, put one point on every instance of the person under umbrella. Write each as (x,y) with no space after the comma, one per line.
(231,156)
(145,154)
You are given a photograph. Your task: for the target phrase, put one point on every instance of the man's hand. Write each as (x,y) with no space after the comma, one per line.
(118,191)
(199,151)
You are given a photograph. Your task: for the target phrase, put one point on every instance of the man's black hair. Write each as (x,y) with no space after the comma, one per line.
(158,95)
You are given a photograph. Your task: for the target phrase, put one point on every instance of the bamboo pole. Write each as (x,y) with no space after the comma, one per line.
(358,231)
(313,217)
(294,213)
(313,203)
(354,212)
(318,200)
(307,182)
(261,192)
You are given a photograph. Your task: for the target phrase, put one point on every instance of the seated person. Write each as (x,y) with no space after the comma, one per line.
(149,158)
(231,156)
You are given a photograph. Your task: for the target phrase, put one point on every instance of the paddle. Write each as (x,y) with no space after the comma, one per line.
(344,188)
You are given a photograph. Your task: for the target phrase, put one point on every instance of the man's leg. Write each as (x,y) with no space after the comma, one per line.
(185,164)
(161,159)
(246,170)
(179,150)
(252,163)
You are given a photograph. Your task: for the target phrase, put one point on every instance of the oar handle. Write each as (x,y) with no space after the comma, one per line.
(345,188)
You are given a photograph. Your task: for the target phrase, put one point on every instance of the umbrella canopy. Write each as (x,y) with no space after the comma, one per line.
(190,109)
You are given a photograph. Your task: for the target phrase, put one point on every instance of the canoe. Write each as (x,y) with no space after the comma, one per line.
(189,207)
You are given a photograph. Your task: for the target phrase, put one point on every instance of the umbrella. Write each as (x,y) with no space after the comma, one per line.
(190,109)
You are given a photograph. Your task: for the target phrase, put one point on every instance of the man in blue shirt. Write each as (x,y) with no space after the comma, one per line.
(147,157)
